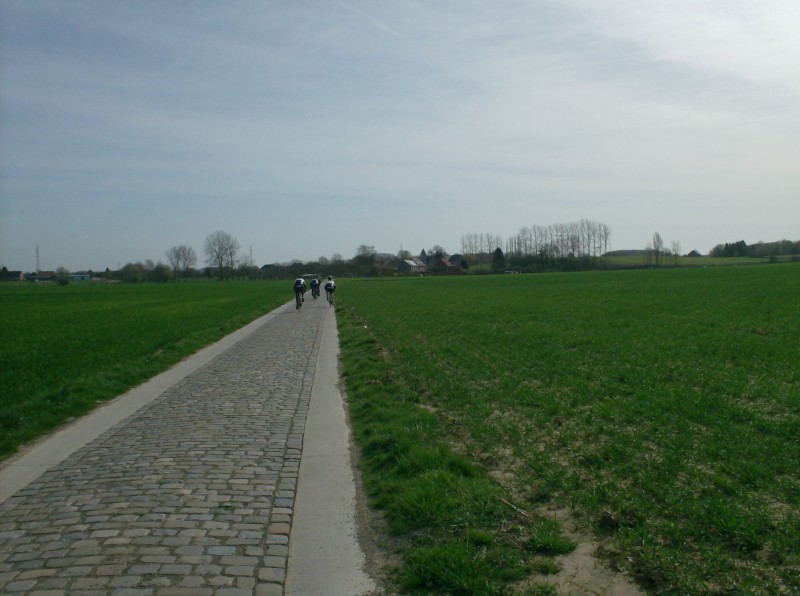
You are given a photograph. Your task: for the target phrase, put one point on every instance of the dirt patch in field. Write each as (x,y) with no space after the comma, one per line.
(583,571)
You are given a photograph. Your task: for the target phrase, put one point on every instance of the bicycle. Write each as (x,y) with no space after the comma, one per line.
(298,299)
(329,296)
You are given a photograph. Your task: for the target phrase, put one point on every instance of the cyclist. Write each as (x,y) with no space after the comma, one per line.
(299,292)
(315,287)
(330,288)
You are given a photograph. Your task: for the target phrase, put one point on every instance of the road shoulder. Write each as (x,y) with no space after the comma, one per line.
(325,556)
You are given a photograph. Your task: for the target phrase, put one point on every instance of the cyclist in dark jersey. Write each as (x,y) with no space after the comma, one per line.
(330,288)
(299,292)
(315,287)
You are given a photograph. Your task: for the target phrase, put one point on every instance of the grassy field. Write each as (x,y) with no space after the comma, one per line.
(683,261)
(62,349)
(661,409)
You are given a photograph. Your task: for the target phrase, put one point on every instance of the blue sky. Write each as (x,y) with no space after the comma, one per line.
(308,128)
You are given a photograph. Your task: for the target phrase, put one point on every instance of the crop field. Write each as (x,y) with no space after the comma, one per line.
(617,261)
(62,349)
(657,410)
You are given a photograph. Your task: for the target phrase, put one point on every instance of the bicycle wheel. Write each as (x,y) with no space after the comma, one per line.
(298,300)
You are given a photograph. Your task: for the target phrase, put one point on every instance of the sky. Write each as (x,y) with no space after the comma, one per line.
(312,127)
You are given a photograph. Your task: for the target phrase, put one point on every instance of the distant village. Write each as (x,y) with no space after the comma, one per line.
(524,254)
(367,262)
(7,275)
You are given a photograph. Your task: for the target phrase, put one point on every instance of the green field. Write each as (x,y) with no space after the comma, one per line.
(683,261)
(62,349)
(660,408)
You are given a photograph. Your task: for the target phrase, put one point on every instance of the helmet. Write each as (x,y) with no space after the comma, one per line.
(330,277)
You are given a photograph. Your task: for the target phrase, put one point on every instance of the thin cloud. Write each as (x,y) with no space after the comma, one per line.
(377,23)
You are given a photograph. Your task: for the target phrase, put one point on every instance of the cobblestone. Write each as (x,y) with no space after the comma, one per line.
(193,494)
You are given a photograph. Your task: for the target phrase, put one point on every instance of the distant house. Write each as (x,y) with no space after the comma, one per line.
(80,277)
(407,266)
(445,267)
(42,276)
(694,253)
(412,266)
(6,275)
(457,261)
(438,267)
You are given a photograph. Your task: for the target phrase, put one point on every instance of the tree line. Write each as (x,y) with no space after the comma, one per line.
(759,249)
(533,248)
(582,238)
(559,247)
(568,246)
(223,261)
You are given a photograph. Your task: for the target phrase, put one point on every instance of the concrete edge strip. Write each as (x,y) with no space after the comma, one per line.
(324,554)
(22,469)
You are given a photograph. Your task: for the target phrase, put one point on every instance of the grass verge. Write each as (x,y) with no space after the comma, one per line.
(63,349)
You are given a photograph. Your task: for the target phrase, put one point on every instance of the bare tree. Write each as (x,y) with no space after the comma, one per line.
(605,234)
(469,247)
(247,267)
(526,241)
(220,250)
(658,248)
(174,259)
(189,258)
(231,250)
(181,258)
(676,251)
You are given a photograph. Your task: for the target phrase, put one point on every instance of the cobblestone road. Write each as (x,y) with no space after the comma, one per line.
(193,494)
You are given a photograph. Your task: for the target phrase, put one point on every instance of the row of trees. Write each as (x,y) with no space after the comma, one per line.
(223,260)
(480,250)
(582,238)
(574,245)
(570,246)
(760,249)
(221,250)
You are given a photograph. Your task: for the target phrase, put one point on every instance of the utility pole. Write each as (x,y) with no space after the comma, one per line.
(37,260)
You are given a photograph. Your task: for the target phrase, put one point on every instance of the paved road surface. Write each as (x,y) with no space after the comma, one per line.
(194,483)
